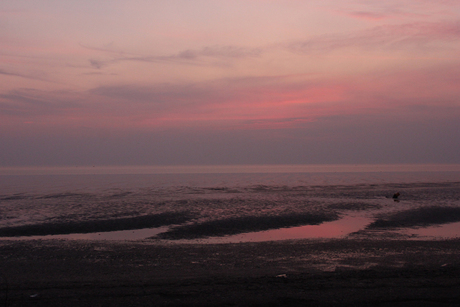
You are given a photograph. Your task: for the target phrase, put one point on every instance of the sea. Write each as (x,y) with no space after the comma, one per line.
(230,204)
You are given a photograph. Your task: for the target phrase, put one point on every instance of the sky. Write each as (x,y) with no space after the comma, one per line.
(209,82)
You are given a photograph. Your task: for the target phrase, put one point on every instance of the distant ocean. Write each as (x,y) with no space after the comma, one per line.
(230,203)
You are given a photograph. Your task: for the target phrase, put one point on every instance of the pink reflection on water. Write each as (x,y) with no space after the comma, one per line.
(451,230)
(335,229)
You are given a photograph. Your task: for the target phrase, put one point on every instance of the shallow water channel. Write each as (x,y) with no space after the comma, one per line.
(336,229)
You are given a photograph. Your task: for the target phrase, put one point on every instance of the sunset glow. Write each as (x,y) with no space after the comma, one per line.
(229,82)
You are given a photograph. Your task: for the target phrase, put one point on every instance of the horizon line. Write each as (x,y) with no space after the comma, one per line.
(224,168)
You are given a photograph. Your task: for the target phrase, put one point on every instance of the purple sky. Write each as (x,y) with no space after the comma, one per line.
(183,82)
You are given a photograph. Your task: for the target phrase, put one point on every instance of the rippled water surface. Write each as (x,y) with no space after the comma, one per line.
(232,207)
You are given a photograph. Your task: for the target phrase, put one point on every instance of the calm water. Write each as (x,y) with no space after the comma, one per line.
(231,207)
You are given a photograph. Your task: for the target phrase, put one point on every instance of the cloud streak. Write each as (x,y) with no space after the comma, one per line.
(21,75)
(418,35)
(415,36)
(189,56)
(279,102)
(368,15)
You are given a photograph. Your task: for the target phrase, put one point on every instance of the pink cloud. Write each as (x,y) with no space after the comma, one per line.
(241,103)
(388,36)
(367,15)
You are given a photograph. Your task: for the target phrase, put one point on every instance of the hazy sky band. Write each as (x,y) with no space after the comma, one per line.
(229,82)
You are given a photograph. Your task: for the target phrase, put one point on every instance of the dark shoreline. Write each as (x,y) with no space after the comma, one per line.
(334,272)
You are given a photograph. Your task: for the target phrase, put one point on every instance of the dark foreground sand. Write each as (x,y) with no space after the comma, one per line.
(289,273)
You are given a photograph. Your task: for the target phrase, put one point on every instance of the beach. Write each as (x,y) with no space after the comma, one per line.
(294,239)
(229,153)
(335,272)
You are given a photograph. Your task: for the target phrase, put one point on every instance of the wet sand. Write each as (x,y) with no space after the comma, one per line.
(333,272)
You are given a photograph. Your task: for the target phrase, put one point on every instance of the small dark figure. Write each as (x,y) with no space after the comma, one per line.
(395,196)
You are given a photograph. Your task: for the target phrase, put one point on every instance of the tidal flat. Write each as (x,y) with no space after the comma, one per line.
(231,240)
